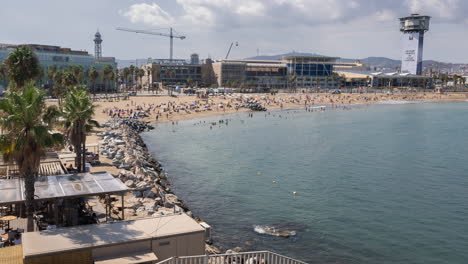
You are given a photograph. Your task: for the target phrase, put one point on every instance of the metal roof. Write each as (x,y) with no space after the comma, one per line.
(383,74)
(61,186)
(98,235)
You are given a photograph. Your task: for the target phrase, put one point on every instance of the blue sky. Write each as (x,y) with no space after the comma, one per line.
(343,28)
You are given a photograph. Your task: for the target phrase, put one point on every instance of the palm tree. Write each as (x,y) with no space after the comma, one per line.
(78,111)
(69,79)
(58,85)
(140,74)
(93,75)
(111,78)
(125,74)
(26,121)
(131,71)
(78,72)
(23,66)
(50,75)
(149,81)
(105,75)
(3,74)
(292,81)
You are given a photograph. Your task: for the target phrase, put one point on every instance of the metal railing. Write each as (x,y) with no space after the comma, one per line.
(255,257)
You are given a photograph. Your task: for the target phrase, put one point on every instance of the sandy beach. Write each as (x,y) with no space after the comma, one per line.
(167,108)
(150,192)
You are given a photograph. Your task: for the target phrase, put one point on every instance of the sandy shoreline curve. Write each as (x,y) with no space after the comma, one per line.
(154,109)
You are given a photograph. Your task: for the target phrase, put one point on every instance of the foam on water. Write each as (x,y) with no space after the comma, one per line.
(399,102)
(273,231)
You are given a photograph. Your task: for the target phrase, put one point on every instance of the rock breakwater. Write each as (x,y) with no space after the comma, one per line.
(139,171)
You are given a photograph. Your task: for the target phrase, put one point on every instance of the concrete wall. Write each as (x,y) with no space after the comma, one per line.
(182,245)
(75,257)
(110,251)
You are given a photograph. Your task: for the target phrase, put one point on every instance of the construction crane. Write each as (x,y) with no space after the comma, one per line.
(171,36)
(230,47)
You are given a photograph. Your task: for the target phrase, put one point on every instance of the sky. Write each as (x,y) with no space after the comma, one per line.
(341,28)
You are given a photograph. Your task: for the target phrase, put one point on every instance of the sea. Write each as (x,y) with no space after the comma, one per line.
(384,183)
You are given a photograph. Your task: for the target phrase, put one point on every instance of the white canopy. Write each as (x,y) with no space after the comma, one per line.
(61,186)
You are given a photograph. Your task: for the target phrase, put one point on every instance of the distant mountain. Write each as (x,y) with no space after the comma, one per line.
(372,62)
(278,57)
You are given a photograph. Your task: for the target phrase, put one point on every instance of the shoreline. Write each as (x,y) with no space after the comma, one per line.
(165,108)
(149,188)
(151,193)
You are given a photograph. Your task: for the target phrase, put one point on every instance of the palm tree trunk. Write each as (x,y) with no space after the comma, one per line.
(78,157)
(29,201)
(78,149)
(84,153)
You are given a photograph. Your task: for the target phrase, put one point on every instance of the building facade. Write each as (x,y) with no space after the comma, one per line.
(385,80)
(312,72)
(172,74)
(296,72)
(62,58)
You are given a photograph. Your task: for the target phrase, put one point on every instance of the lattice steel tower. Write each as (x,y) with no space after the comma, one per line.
(413,28)
(97,45)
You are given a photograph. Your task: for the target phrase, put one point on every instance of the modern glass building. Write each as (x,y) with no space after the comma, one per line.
(62,58)
(312,71)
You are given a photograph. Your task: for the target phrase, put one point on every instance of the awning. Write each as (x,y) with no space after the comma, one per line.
(128,258)
(61,186)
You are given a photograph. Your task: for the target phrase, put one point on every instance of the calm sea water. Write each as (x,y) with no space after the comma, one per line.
(375,184)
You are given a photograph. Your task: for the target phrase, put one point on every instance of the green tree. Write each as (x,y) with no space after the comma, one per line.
(78,111)
(50,75)
(69,79)
(140,74)
(292,82)
(3,74)
(93,75)
(22,66)
(105,75)
(58,85)
(131,72)
(125,74)
(27,136)
(189,83)
(78,73)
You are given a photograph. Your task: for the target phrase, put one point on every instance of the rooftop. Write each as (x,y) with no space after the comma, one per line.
(61,186)
(90,236)
(361,74)
(47,48)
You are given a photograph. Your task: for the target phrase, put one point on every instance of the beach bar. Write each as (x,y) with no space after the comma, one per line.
(146,240)
(52,191)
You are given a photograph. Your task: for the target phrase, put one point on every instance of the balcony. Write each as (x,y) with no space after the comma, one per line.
(256,257)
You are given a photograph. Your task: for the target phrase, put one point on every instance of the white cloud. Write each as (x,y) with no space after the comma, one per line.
(359,26)
(197,13)
(251,8)
(385,15)
(447,9)
(148,14)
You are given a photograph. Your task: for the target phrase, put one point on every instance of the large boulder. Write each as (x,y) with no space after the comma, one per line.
(150,193)
(130,183)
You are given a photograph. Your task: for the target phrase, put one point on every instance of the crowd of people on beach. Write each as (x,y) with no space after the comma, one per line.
(188,106)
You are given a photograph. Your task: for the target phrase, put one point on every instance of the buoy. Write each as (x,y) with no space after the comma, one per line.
(259,173)
(274,181)
(294,193)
